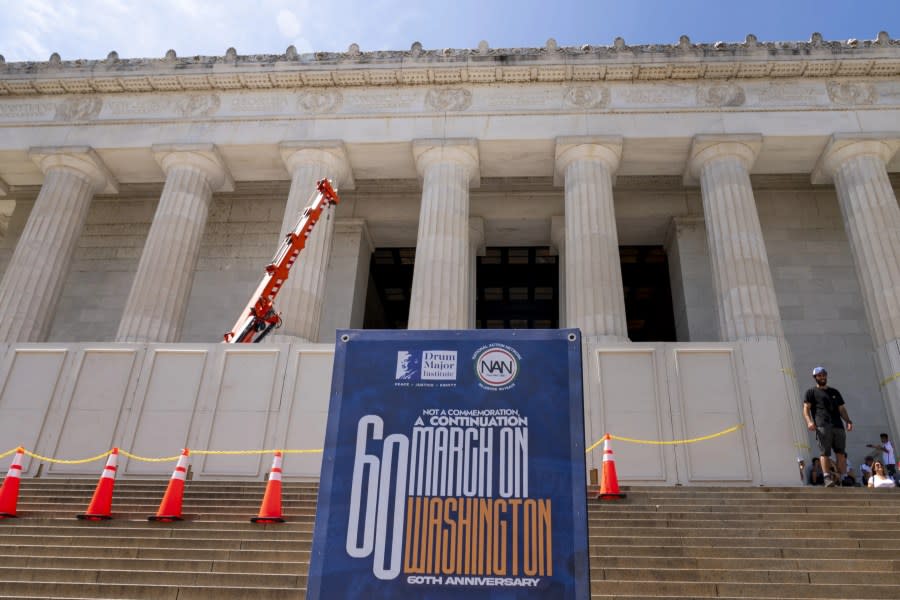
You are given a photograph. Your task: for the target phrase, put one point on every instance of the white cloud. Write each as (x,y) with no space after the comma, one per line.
(288,23)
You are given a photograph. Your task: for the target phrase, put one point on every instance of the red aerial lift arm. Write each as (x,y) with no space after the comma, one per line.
(259,317)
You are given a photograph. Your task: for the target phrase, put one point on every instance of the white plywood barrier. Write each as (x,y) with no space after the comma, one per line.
(664,392)
(96,397)
(304,419)
(708,395)
(245,392)
(73,401)
(632,403)
(30,376)
(166,400)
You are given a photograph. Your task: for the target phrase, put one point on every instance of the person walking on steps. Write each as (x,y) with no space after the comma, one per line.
(825,413)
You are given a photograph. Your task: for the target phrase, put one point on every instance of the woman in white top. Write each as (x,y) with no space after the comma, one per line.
(879,478)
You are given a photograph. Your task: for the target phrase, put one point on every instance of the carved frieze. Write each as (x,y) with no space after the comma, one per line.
(587,96)
(721,95)
(81,108)
(382,99)
(24,110)
(448,99)
(319,102)
(198,105)
(851,93)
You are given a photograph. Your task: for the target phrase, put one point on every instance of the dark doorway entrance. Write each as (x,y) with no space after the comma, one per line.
(518,288)
(648,294)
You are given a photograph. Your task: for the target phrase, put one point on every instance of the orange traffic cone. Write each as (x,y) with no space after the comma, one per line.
(170,507)
(609,481)
(101,504)
(9,493)
(270,510)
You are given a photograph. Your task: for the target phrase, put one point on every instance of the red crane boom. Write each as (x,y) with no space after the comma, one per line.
(259,317)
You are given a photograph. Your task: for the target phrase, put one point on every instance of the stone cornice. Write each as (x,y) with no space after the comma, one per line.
(619,62)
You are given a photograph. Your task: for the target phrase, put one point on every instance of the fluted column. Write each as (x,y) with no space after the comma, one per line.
(746,304)
(301,300)
(441,277)
(745,293)
(595,299)
(157,302)
(856,165)
(33,281)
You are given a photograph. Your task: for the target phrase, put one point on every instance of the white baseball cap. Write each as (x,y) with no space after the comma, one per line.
(819,369)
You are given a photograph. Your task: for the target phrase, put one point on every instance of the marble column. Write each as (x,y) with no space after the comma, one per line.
(157,302)
(302,299)
(33,281)
(744,290)
(348,278)
(440,297)
(856,164)
(595,299)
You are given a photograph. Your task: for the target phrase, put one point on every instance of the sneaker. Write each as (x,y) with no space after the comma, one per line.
(829,481)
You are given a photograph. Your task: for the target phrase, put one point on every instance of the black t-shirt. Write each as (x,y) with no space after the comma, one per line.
(824,406)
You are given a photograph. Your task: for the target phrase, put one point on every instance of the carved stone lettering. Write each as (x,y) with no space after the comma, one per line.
(587,96)
(786,93)
(851,94)
(136,106)
(726,94)
(377,99)
(320,101)
(451,99)
(79,109)
(653,95)
(273,103)
(20,110)
(524,98)
(198,105)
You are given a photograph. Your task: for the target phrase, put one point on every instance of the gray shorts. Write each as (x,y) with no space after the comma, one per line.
(831,438)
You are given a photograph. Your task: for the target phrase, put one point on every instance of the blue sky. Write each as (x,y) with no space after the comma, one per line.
(33,29)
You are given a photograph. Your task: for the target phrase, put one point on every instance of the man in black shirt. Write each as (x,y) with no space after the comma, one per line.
(823,408)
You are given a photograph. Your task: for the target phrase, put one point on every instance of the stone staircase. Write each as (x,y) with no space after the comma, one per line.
(215,553)
(747,543)
(658,543)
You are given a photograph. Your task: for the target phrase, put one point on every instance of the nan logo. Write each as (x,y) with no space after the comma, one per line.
(432,365)
(497,366)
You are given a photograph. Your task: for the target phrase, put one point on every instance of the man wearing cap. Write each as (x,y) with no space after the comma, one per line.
(823,408)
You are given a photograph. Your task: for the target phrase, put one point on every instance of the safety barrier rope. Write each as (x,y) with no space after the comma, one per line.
(893,377)
(81,461)
(664,442)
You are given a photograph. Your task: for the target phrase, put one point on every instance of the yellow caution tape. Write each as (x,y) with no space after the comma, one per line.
(890,379)
(148,459)
(666,442)
(159,459)
(61,461)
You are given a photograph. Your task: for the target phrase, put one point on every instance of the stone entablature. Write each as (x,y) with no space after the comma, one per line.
(417,66)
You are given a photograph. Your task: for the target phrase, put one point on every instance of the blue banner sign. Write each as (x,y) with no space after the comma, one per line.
(453,466)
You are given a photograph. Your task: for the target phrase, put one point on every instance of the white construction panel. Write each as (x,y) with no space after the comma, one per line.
(710,402)
(310,388)
(98,395)
(164,406)
(631,407)
(30,380)
(248,381)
